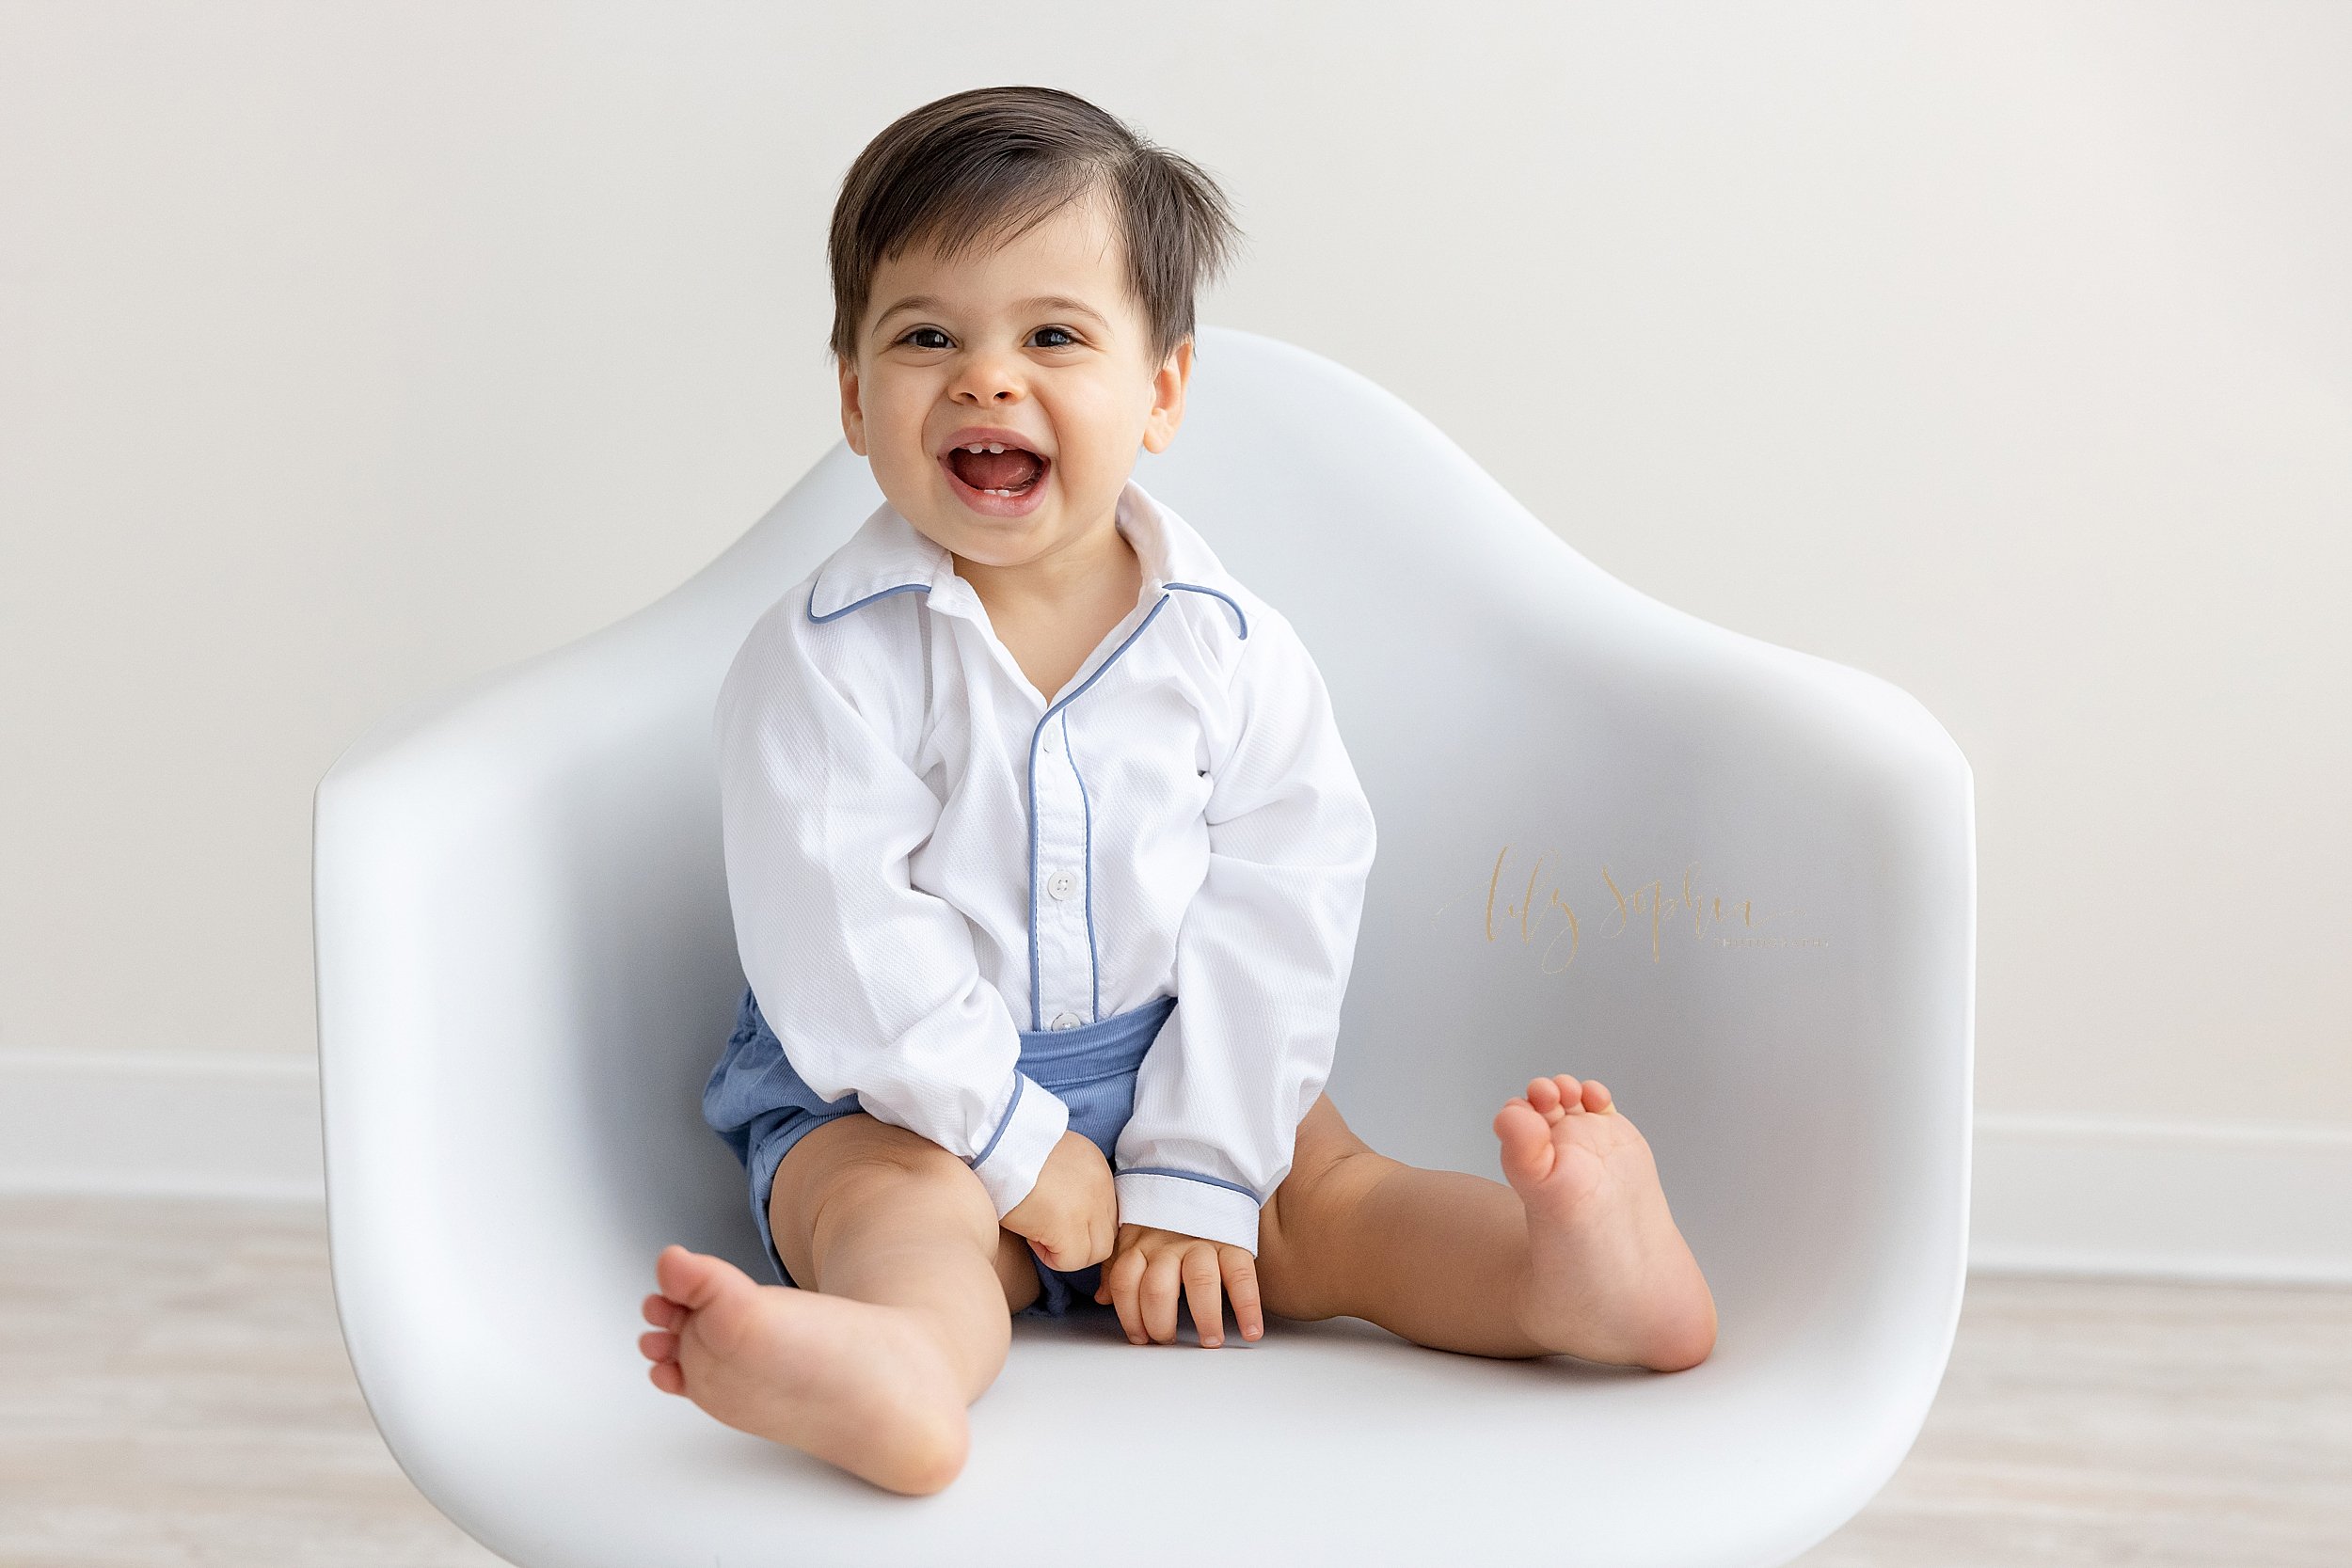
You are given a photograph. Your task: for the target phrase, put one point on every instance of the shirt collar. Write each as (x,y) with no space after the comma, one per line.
(890,554)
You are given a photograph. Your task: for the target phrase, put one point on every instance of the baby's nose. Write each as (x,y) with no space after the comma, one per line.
(989,382)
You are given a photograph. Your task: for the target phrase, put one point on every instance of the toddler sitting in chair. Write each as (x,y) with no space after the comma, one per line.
(1046,863)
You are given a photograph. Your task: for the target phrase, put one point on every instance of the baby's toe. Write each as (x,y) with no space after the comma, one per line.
(661,1345)
(1595,1098)
(1527,1154)
(694,1280)
(663,1312)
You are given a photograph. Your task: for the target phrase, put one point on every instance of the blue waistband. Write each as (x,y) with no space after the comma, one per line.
(1113,1044)
(1054,1057)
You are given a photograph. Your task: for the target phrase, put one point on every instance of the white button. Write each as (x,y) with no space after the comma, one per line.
(1067,1020)
(1061,884)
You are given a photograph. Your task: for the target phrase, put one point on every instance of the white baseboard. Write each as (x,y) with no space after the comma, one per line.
(2177,1200)
(165,1124)
(2051,1195)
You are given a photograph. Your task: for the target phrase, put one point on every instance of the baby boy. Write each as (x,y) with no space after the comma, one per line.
(1046,861)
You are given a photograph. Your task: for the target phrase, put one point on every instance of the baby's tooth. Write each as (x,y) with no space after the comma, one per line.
(996,446)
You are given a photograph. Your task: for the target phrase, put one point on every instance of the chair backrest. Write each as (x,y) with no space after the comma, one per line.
(1733,881)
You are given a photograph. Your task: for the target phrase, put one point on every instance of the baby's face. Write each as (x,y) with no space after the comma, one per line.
(1038,347)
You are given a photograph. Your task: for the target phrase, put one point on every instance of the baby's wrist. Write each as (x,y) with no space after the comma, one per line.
(1015,1160)
(1189,1205)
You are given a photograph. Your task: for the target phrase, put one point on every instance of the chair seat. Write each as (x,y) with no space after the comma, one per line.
(1733,881)
(1331,1442)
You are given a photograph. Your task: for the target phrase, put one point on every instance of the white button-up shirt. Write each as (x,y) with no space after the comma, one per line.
(926,856)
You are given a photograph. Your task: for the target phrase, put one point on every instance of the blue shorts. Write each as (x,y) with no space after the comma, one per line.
(760,1107)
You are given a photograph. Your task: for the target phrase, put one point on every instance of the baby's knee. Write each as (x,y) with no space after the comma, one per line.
(905,1176)
(914,1164)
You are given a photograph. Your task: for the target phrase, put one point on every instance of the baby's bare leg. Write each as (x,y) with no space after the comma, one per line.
(900,1323)
(1431,1255)
(865,1210)
(1459,1263)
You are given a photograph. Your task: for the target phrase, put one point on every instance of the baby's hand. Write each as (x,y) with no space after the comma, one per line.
(1071,1214)
(1148,1266)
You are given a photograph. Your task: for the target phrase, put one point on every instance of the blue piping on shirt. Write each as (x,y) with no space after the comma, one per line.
(1019,1079)
(1242,624)
(1037,1003)
(836,614)
(1238,616)
(1094,957)
(1194,1176)
(1242,621)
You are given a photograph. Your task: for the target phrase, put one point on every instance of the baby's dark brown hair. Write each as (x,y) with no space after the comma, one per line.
(989,164)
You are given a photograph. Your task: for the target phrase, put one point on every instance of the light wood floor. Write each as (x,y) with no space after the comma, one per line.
(173,1394)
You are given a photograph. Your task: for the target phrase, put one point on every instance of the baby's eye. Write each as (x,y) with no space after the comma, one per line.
(1065,336)
(921,331)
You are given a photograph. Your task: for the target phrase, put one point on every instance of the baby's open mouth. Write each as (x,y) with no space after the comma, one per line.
(996,468)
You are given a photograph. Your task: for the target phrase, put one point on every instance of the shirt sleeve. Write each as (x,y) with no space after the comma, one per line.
(871,985)
(1263,955)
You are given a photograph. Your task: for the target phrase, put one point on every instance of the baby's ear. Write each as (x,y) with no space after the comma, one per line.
(853,409)
(1168,397)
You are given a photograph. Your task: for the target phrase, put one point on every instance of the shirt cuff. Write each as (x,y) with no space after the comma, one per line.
(1034,1123)
(1190,1205)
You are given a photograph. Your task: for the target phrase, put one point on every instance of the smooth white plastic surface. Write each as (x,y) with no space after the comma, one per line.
(526,969)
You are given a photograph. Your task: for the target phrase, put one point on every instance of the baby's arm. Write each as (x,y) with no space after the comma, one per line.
(1262,957)
(872,984)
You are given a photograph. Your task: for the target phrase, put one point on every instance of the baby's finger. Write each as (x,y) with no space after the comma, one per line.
(1201,1286)
(1241,1283)
(1103,1279)
(1161,1288)
(1121,1277)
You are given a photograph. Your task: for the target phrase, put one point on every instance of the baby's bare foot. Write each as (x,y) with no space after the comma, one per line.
(859,1384)
(1610,1277)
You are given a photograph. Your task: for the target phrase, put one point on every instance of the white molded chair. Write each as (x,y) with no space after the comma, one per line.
(1735,883)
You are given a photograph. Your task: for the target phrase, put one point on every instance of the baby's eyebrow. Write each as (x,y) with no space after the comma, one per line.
(1060,302)
(913,302)
(1037,302)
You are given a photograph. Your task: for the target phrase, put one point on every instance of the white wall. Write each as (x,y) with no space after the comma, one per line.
(2001,349)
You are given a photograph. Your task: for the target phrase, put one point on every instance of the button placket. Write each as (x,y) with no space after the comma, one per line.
(1058,911)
